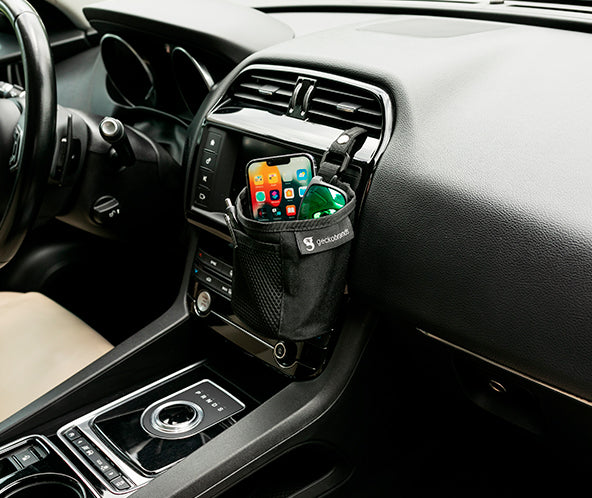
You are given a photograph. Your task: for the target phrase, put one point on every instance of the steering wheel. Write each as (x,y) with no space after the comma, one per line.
(27,130)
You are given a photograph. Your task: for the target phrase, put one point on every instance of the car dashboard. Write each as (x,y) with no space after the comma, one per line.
(466,277)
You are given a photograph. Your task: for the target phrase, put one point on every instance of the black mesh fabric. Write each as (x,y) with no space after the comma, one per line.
(257,284)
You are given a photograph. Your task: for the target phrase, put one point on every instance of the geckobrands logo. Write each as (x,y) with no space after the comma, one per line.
(333,238)
(309,243)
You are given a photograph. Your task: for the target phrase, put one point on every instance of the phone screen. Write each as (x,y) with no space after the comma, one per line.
(277,184)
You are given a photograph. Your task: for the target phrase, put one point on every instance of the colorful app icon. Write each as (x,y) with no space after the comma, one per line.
(277,213)
(289,193)
(291,210)
(258,180)
(301,174)
(261,213)
(274,195)
(301,191)
(272,177)
(260,196)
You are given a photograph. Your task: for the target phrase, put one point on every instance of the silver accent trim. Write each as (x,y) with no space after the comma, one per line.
(201,69)
(133,51)
(48,444)
(503,367)
(309,137)
(169,429)
(85,422)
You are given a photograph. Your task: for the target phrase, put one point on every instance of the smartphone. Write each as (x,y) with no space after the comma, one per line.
(277,184)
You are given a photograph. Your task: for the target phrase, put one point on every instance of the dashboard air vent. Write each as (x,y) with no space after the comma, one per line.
(343,106)
(270,90)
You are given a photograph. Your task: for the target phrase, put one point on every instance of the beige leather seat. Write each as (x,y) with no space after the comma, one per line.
(41,345)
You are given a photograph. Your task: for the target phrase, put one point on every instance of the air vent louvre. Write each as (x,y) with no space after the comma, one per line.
(270,90)
(343,106)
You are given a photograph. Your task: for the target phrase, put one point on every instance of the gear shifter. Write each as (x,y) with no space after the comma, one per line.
(113,132)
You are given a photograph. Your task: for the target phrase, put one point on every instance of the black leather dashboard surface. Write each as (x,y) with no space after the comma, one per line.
(478,223)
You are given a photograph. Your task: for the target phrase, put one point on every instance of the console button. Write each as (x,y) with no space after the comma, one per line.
(120,483)
(72,434)
(111,473)
(215,283)
(82,443)
(213,141)
(203,302)
(204,177)
(216,264)
(26,457)
(100,462)
(208,160)
(203,196)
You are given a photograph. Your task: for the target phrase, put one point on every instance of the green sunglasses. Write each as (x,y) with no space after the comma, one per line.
(321,199)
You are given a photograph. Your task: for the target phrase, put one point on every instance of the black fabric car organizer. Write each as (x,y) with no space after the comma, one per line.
(289,277)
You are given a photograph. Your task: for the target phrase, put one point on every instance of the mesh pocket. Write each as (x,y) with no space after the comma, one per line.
(257,284)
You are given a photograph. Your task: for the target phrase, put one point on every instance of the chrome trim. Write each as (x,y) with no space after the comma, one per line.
(133,51)
(505,368)
(287,130)
(85,423)
(48,444)
(186,433)
(169,429)
(201,69)
(384,98)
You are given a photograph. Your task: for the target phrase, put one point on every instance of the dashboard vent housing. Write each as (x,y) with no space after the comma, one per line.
(343,106)
(264,89)
(315,97)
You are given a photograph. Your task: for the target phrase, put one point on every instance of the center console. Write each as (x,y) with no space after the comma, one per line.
(269,111)
(208,372)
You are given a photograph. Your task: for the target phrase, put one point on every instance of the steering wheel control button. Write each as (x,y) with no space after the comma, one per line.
(17,138)
(105,210)
(190,411)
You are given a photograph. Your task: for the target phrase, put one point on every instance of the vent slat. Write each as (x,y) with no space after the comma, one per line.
(261,100)
(343,123)
(269,90)
(337,104)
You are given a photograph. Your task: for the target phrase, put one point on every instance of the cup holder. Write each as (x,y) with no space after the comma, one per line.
(47,484)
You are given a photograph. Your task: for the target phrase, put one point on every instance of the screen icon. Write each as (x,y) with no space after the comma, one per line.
(272,177)
(289,193)
(301,174)
(258,180)
(291,210)
(260,196)
(261,212)
(301,191)
(274,195)
(277,212)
